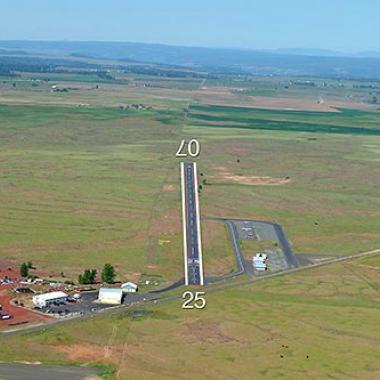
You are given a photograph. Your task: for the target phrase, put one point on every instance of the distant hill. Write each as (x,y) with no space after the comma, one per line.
(309,62)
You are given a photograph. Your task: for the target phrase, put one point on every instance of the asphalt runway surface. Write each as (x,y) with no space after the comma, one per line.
(45,372)
(192,238)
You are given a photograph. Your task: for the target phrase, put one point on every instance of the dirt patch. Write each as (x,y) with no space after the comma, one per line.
(206,332)
(167,223)
(251,180)
(169,188)
(81,352)
(20,315)
(132,276)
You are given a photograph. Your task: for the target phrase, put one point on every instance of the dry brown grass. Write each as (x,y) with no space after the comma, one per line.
(224,174)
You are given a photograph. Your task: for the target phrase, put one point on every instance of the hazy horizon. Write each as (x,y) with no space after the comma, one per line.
(341,26)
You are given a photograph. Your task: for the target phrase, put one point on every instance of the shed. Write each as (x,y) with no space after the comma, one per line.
(111,296)
(129,287)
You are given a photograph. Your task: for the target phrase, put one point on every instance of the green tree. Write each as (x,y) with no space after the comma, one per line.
(24,270)
(108,274)
(88,277)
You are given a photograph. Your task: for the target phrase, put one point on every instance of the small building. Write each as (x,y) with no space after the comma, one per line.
(260,262)
(129,287)
(46,299)
(110,296)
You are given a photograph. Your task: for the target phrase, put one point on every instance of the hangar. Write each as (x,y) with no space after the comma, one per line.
(46,299)
(110,296)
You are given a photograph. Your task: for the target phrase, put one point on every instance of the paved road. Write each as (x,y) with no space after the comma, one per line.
(222,286)
(244,266)
(193,247)
(280,236)
(285,245)
(45,372)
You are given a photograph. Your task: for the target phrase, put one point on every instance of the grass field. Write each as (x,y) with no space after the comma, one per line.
(84,185)
(322,187)
(84,181)
(319,324)
(78,189)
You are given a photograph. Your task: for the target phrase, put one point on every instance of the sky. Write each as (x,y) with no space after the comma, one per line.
(343,25)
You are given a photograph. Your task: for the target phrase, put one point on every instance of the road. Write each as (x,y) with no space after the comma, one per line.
(285,245)
(191,224)
(211,288)
(45,372)
(279,235)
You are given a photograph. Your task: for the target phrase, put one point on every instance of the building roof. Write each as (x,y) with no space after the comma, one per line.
(110,290)
(51,296)
(129,284)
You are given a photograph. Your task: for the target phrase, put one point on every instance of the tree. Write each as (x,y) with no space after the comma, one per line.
(88,277)
(108,274)
(30,265)
(24,270)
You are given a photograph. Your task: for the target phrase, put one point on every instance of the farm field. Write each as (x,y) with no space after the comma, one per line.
(308,324)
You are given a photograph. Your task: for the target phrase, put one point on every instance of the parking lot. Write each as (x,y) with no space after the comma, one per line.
(254,230)
(249,230)
(88,304)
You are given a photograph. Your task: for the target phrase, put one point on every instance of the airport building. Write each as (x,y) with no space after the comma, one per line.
(260,262)
(46,299)
(110,296)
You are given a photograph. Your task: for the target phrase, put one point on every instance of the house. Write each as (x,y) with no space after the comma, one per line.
(110,296)
(129,287)
(46,299)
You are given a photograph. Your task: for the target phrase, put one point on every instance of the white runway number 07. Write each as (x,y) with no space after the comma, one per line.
(193,300)
(191,148)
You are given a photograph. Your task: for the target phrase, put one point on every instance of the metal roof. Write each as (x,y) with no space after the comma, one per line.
(110,290)
(50,296)
(129,284)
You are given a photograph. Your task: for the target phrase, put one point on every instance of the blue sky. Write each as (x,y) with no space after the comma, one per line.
(346,25)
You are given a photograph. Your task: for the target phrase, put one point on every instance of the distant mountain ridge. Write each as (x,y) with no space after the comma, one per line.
(326,53)
(307,62)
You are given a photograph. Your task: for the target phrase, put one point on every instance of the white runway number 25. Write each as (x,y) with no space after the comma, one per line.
(192,300)
(191,148)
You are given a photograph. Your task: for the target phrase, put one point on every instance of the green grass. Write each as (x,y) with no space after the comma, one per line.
(333,181)
(309,324)
(79,186)
(83,186)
